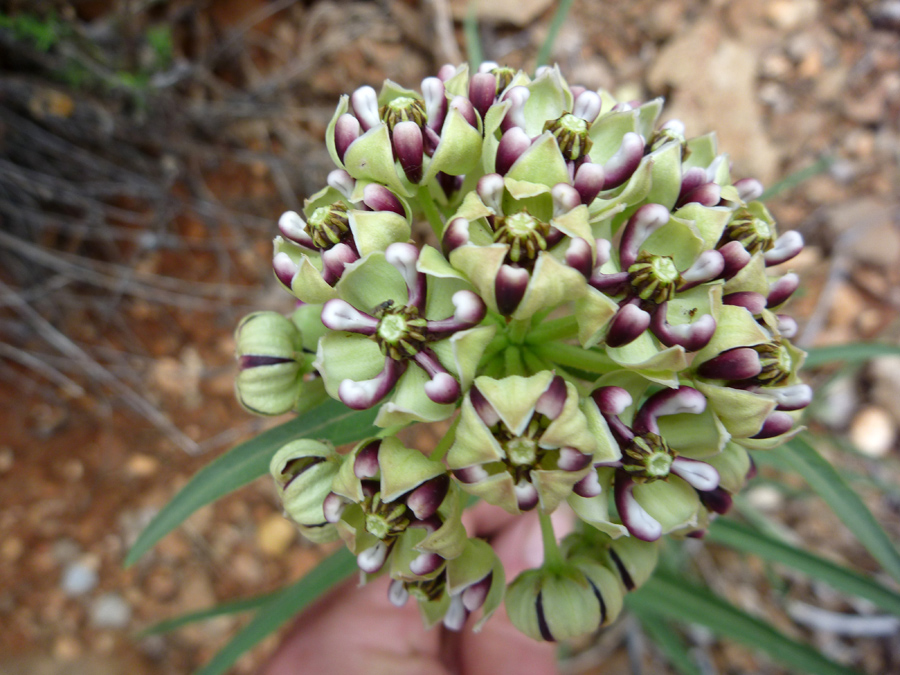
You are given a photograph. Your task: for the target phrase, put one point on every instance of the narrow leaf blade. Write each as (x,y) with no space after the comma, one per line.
(742,537)
(224,609)
(857,351)
(286,604)
(668,641)
(248,461)
(846,504)
(681,601)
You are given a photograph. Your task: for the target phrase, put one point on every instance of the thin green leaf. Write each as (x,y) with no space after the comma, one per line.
(846,504)
(742,537)
(473,39)
(857,351)
(681,601)
(226,608)
(668,641)
(793,180)
(248,461)
(286,604)
(556,23)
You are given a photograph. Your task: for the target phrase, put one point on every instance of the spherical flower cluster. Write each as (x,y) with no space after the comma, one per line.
(599,312)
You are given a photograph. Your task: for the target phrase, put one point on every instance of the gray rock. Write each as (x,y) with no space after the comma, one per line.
(78,579)
(110,610)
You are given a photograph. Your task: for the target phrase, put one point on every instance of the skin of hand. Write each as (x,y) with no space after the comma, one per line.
(357,630)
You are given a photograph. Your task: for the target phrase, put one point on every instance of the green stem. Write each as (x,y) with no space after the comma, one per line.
(574,356)
(431,211)
(390,431)
(552,555)
(517,329)
(495,346)
(556,329)
(444,445)
(512,361)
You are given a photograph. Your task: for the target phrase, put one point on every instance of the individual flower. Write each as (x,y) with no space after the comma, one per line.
(524,246)
(405,322)
(401,138)
(750,376)
(659,280)
(303,471)
(340,228)
(382,491)
(275,360)
(471,581)
(521,442)
(654,485)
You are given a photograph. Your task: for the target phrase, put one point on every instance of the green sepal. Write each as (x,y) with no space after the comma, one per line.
(733,465)
(542,163)
(303,493)
(371,157)
(741,412)
(671,502)
(607,583)
(475,562)
(403,469)
(637,558)
(459,151)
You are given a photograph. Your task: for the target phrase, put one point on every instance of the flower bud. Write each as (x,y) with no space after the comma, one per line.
(273,366)
(558,603)
(303,471)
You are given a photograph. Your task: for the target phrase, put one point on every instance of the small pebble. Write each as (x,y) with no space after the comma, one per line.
(110,611)
(78,579)
(872,431)
(142,466)
(765,498)
(7,457)
(275,535)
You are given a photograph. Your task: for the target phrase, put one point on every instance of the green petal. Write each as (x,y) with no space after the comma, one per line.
(342,107)
(391,90)
(595,511)
(607,448)
(695,436)
(570,429)
(742,412)
(370,281)
(735,327)
(498,490)
(459,150)
(376,230)
(403,469)
(550,98)
(474,443)
(644,357)
(666,176)
(752,278)
(409,403)
(492,120)
(677,239)
(701,151)
(514,397)
(343,356)
(733,464)
(710,221)
(462,353)
(552,283)
(672,502)
(449,540)
(480,264)
(308,318)
(593,310)
(555,485)
(542,162)
(371,157)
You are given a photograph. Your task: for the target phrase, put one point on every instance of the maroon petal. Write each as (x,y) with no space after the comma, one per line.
(740,363)
(285,268)
(553,400)
(474,595)
(781,290)
(565,198)
(589,179)
(699,475)
(466,109)
(717,501)
(434,94)
(787,326)
(482,92)
(404,257)
(509,288)
(578,256)
(589,486)
(587,106)
(292,227)
(456,235)
(707,194)
(366,393)
(785,247)
(637,521)
(571,459)
(456,615)
(397,593)
(645,221)
(346,130)
(622,165)
(627,325)
(612,400)
(471,474)
(425,499)
(409,149)
(366,463)
(341,181)
(483,407)
(515,116)
(708,266)
(690,181)
(333,506)
(776,424)
(692,336)
(793,397)
(372,559)
(364,102)
(736,258)
(513,145)
(379,198)
(442,387)
(682,400)
(753,302)
(526,495)
(469,311)
(340,315)
(490,190)
(334,260)
(425,563)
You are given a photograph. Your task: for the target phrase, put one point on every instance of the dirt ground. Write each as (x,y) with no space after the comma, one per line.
(785,83)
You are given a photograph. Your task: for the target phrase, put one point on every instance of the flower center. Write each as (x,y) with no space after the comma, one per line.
(752,232)
(329,225)
(401,333)
(403,109)
(522,451)
(571,133)
(654,277)
(648,458)
(776,363)
(384,520)
(525,234)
